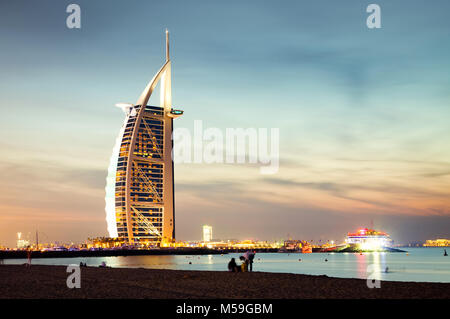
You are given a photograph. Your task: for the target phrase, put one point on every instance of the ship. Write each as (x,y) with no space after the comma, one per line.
(296,246)
(369,240)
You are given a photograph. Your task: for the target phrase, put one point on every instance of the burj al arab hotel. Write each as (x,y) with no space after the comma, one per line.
(140,183)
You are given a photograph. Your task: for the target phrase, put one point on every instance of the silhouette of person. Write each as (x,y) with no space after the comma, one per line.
(232,266)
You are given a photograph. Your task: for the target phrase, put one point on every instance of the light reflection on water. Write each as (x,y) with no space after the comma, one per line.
(422,264)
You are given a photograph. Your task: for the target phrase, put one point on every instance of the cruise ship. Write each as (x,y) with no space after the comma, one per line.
(369,239)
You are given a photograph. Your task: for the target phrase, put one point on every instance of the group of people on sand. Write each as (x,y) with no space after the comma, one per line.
(246,265)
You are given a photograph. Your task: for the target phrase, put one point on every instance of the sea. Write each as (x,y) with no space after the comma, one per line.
(416,264)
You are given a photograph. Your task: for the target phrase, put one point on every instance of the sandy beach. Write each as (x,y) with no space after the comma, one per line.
(50,282)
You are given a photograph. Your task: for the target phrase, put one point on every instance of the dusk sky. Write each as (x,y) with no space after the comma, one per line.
(363,114)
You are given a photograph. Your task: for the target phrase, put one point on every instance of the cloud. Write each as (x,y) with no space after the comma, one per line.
(326,186)
(38,171)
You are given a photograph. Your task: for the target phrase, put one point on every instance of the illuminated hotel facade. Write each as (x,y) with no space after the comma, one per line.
(140,183)
(207,233)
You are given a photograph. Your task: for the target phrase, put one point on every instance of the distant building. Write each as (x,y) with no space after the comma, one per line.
(140,183)
(21,243)
(437,243)
(296,245)
(105,242)
(207,233)
(293,244)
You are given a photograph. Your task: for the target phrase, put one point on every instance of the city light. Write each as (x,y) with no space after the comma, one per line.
(207,233)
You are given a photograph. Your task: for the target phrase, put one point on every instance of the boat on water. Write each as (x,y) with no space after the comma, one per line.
(306,249)
(296,246)
(364,240)
(369,240)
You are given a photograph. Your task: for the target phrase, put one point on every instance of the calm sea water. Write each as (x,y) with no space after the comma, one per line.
(420,264)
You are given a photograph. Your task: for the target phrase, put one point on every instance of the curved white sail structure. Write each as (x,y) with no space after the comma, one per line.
(110,188)
(139,191)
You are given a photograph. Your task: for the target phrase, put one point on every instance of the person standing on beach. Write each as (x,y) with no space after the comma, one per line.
(251,256)
(29,257)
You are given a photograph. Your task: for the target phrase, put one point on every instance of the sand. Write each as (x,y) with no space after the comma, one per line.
(50,282)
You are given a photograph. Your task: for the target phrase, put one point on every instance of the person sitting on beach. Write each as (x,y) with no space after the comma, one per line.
(244,265)
(232,265)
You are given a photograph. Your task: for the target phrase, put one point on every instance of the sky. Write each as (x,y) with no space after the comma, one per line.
(363,114)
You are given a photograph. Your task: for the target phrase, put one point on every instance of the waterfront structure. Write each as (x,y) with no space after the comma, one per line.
(22,243)
(369,239)
(293,245)
(140,183)
(441,242)
(207,233)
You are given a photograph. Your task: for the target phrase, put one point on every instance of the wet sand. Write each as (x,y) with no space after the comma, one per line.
(50,282)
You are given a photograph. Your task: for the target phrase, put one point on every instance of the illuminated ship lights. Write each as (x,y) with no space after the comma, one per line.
(369,239)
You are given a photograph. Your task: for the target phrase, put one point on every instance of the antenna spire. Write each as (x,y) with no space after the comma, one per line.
(167,45)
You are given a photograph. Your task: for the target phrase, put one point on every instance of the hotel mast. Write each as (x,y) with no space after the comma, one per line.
(140,184)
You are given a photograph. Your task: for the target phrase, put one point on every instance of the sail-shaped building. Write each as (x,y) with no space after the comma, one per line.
(140,205)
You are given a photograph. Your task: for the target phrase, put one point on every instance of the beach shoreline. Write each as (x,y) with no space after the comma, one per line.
(49,282)
(22,254)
